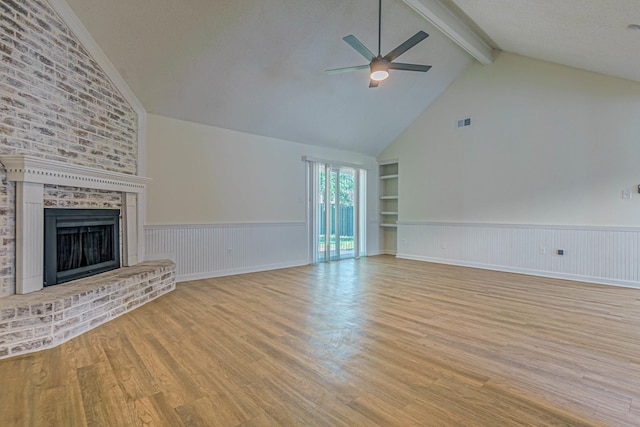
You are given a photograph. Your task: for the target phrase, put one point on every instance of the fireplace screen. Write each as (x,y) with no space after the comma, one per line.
(80,243)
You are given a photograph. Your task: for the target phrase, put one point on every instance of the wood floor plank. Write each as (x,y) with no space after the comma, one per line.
(103,402)
(371,342)
(50,413)
(172,379)
(19,380)
(156,411)
(127,365)
(225,408)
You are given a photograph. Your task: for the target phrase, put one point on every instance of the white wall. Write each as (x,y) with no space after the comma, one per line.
(218,194)
(549,146)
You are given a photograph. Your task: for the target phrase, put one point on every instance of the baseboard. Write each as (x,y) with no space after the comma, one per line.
(539,273)
(236,271)
(374,253)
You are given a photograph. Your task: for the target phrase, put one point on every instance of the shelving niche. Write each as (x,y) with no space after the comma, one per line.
(389,175)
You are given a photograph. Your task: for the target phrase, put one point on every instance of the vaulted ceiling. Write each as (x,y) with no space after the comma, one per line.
(587,34)
(257,66)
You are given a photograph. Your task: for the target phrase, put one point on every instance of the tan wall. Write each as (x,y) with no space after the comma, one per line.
(204,175)
(548,145)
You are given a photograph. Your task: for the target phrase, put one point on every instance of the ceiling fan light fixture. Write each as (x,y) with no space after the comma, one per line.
(379,65)
(379,75)
(379,70)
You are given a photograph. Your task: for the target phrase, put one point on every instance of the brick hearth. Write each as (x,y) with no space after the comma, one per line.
(49,317)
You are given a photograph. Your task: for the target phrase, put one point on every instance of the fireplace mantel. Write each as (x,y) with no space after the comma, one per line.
(31,174)
(23,168)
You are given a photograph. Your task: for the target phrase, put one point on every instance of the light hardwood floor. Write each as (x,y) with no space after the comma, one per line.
(369,342)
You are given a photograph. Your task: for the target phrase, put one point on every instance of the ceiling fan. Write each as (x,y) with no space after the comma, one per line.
(380,65)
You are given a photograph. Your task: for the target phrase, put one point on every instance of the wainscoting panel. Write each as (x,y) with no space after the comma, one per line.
(608,255)
(203,251)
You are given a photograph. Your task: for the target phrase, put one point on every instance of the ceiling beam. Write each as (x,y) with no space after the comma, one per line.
(452,26)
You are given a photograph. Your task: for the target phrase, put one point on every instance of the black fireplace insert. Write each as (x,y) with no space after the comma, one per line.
(80,243)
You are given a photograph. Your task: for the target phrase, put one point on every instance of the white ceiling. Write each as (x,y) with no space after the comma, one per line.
(587,34)
(258,65)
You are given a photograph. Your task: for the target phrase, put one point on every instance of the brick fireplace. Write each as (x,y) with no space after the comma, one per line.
(30,175)
(38,318)
(70,137)
(58,105)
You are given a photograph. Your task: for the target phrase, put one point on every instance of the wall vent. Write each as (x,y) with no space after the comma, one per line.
(464,122)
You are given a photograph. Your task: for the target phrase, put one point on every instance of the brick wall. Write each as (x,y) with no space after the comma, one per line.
(57,103)
(56,196)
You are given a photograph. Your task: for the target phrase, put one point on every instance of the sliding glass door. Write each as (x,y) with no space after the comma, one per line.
(336,206)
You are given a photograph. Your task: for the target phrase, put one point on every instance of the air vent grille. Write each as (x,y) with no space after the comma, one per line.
(464,122)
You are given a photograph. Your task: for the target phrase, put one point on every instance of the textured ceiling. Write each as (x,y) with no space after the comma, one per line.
(258,65)
(586,34)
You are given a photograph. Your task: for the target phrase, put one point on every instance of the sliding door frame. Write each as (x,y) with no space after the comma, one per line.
(314,167)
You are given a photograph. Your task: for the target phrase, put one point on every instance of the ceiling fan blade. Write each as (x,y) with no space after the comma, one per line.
(346,69)
(357,45)
(409,67)
(411,42)
(373,83)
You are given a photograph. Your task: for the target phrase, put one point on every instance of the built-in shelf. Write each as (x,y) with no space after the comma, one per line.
(389,173)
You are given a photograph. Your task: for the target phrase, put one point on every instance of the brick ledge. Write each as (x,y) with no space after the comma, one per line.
(47,318)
